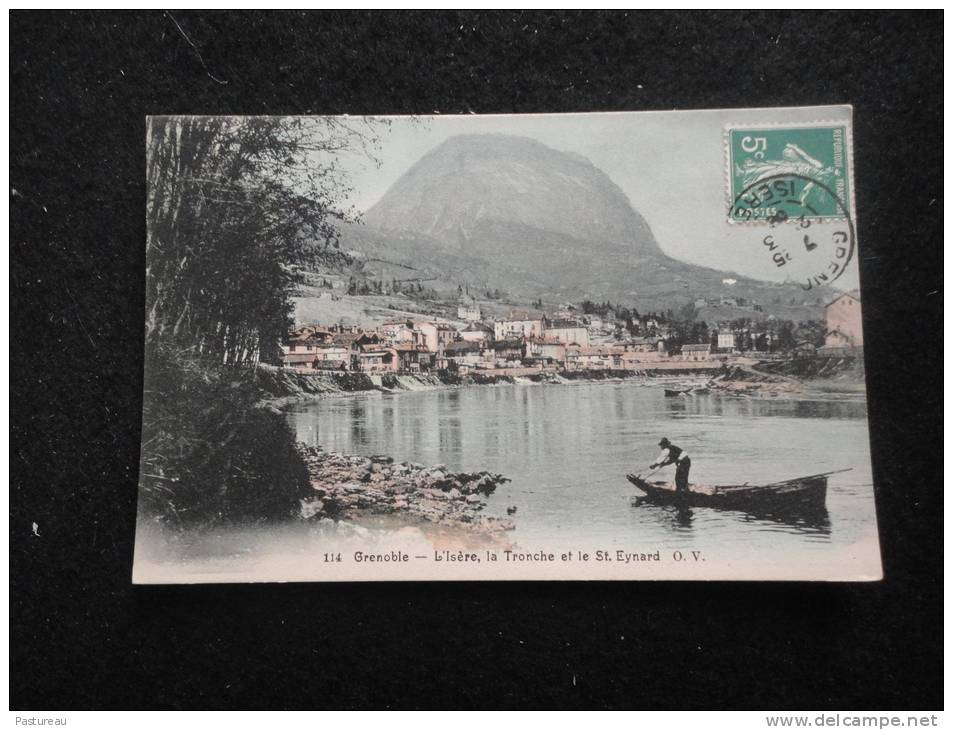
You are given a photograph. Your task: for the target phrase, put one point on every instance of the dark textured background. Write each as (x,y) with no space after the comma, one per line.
(83,637)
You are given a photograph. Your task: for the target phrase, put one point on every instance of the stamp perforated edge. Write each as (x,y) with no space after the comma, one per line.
(847,124)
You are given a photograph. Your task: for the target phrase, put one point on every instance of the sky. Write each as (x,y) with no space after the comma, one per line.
(671,165)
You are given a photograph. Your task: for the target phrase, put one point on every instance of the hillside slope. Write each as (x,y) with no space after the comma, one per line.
(510,213)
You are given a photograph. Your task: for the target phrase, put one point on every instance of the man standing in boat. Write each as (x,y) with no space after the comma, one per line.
(672,454)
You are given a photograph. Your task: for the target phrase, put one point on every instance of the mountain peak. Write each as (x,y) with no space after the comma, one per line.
(496,144)
(511,213)
(476,180)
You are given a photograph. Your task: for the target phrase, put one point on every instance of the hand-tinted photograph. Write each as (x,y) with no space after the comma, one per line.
(622,346)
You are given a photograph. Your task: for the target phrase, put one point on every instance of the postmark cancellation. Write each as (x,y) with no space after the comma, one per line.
(781,173)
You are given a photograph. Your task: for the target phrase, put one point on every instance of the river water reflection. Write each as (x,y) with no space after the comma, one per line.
(567,449)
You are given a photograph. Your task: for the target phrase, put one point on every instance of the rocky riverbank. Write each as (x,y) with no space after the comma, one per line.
(354,488)
(744,381)
(782,380)
(282,387)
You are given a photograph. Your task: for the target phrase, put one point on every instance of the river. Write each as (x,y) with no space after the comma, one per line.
(567,448)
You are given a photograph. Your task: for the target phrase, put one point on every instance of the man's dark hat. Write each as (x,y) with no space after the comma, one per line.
(664,442)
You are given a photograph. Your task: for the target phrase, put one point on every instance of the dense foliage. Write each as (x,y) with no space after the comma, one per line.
(210,454)
(237,208)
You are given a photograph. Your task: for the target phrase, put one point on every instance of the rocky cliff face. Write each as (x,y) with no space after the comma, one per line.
(511,213)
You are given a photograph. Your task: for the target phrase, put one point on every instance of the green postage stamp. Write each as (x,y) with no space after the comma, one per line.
(778,173)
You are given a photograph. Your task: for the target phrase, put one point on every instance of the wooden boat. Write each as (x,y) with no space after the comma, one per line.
(691,390)
(801,493)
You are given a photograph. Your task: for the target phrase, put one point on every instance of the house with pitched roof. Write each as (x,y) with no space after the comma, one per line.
(434,335)
(543,351)
(477,332)
(413,358)
(844,323)
(378,359)
(698,352)
(520,323)
(397,332)
(567,331)
(507,352)
(464,353)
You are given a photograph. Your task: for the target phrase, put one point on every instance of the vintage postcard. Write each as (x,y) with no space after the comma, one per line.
(620,346)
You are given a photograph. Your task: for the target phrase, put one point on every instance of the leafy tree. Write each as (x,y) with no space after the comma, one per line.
(236,206)
(237,209)
(812,332)
(786,339)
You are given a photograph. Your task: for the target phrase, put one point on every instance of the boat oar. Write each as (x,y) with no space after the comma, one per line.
(812,476)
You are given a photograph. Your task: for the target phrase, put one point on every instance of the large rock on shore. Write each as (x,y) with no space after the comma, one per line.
(349,487)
